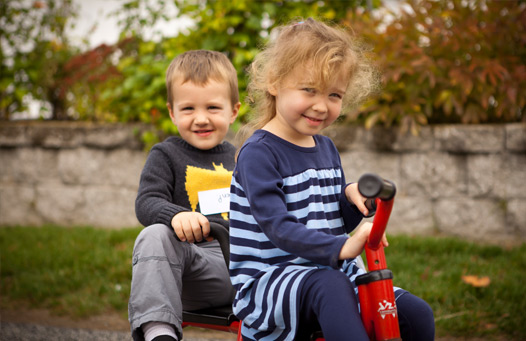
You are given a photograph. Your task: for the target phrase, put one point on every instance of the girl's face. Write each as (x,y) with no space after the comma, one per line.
(302,108)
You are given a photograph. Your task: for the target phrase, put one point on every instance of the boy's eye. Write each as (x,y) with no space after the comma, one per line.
(309,90)
(187,108)
(336,95)
(214,107)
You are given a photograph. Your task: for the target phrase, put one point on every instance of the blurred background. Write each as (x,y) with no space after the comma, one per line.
(83,98)
(82,91)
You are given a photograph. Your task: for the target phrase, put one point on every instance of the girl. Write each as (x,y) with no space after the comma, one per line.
(292,263)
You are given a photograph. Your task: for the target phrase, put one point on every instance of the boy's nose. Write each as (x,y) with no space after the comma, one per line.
(201,118)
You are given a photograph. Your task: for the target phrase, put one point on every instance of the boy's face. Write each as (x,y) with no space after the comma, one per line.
(202,114)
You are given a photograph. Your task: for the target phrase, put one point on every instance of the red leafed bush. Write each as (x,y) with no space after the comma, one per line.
(455,61)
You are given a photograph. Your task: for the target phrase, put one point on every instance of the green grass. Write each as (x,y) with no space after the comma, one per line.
(78,271)
(432,268)
(85,271)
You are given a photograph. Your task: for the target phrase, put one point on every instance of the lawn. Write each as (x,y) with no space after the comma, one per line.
(474,290)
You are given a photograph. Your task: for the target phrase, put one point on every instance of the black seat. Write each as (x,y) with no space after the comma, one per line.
(219,316)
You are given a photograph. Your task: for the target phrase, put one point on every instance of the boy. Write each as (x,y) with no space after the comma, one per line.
(189,271)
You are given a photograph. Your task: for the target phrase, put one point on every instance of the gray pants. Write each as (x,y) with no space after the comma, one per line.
(169,275)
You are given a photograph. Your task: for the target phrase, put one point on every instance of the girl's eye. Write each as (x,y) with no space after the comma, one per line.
(309,90)
(336,95)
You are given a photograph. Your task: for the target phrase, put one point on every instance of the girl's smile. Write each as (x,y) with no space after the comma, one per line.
(313,121)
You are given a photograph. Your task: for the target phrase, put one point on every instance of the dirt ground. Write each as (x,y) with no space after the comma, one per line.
(115,322)
(103,322)
(107,321)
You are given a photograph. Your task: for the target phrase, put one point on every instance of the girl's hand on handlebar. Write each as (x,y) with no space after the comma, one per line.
(353,247)
(354,196)
(191,226)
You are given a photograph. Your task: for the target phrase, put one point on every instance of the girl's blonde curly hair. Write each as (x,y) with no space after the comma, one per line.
(329,50)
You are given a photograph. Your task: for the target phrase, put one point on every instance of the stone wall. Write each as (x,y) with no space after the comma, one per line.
(459,180)
(467,181)
(69,173)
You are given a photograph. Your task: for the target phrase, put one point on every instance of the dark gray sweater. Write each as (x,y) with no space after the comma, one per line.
(174,173)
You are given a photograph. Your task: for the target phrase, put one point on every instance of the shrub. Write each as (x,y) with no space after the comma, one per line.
(452,61)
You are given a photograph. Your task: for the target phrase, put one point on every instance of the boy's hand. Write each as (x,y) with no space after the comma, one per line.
(354,196)
(190,226)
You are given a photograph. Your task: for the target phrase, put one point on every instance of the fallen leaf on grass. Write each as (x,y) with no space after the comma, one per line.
(476,281)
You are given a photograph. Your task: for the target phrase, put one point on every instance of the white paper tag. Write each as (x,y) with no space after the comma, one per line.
(214,201)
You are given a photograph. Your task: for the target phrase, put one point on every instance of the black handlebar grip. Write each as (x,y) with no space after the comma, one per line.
(372,186)
(370,203)
(221,234)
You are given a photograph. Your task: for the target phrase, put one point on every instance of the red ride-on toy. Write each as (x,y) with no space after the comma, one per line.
(375,288)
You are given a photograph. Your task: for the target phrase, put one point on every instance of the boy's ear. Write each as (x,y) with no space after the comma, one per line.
(235,112)
(172,117)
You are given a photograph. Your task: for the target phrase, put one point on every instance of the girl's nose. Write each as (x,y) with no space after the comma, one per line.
(320,105)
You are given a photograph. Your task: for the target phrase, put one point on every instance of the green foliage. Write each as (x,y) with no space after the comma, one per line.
(33,50)
(441,62)
(449,62)
(236,28)
(145,70)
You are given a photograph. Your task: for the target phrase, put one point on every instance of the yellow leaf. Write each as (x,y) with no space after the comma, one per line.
(476,281)
(371,121)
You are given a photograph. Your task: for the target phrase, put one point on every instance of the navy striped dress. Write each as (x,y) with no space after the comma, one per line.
(288,217)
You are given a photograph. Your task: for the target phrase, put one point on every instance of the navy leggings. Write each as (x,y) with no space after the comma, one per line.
(328,302)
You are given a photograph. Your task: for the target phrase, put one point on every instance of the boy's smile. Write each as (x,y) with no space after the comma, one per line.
(202,113)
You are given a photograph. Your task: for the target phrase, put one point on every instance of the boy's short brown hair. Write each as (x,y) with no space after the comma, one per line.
(198,67)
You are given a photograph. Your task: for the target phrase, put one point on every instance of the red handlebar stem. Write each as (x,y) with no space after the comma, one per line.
(374,250)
